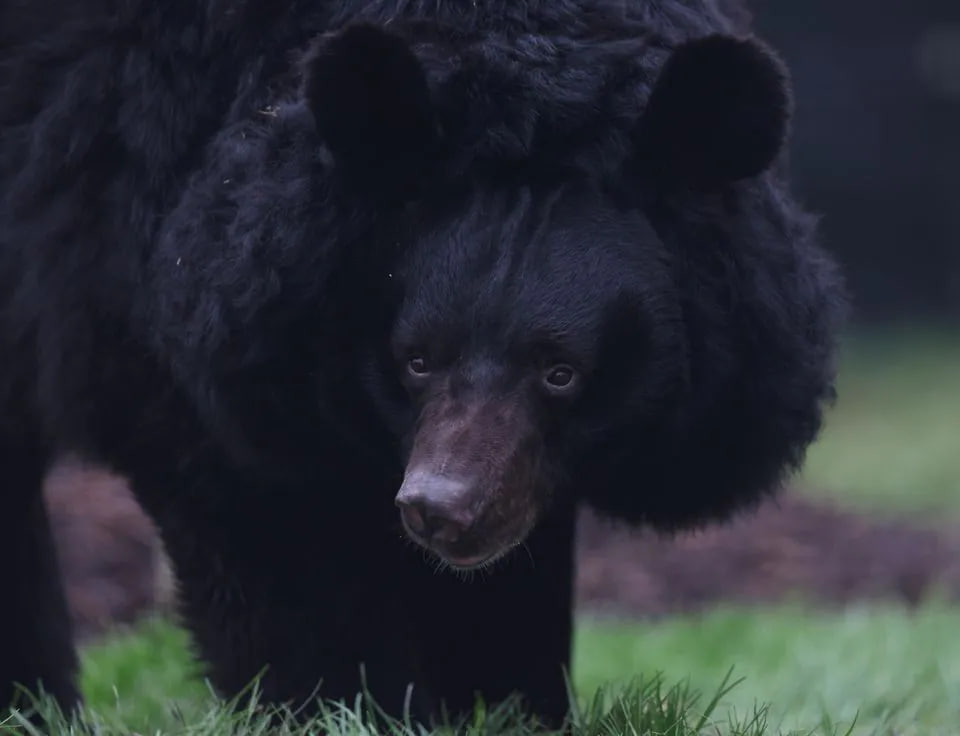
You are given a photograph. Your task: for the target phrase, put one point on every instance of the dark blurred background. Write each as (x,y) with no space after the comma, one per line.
(876,143)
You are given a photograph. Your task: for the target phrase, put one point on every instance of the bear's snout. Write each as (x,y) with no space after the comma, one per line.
(446,516)
(469,493)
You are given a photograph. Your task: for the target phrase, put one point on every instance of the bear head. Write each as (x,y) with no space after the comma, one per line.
(603,295)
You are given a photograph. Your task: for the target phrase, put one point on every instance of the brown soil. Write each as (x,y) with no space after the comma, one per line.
(793,548)
(115,571)
(111,559)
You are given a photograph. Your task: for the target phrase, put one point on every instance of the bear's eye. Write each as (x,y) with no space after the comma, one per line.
(417,366)
(560,378)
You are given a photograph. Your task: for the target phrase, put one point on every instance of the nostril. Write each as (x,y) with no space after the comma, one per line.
(430,524)
(414,519)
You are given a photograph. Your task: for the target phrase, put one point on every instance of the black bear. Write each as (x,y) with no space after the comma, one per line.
(353,290)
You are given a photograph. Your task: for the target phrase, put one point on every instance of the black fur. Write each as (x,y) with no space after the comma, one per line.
(218,220)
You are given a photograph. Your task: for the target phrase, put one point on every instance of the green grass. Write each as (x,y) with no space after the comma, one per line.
(891,671)
(891,442)
(866,671)
(134,677)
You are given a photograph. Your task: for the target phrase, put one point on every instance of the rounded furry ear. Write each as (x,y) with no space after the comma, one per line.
(369,96)
(719,112)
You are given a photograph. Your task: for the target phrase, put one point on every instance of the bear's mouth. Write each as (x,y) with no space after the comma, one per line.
(466,563)
(469,563)
(475,549)
(477,562)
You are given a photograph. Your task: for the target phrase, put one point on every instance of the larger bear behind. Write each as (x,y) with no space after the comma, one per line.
(291,266)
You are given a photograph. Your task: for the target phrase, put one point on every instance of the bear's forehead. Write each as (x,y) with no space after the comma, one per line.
(497,232)
(519,263)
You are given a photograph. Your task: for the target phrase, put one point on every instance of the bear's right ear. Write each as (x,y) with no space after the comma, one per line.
(719,112)
(369,96)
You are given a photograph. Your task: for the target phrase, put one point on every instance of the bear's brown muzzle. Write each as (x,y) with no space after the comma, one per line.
(468,493)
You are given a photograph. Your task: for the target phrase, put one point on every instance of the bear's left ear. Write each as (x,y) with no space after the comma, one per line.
(719,112)
(369,96)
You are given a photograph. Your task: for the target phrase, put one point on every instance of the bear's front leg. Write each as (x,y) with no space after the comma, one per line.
(306,585)
(36,646)
(503,631)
